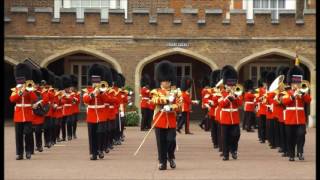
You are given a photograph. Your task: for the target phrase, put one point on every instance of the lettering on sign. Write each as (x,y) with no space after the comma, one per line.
(178,44)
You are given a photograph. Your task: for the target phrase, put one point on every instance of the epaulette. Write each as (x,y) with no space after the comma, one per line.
(154,92)
(85,90)
(13,89)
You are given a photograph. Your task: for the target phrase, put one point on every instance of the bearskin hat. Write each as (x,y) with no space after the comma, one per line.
(294,71)
(114,76)
(107,75)
(229,75)
(58,83)
(45,74)
(186,82)
(51,78)
(248,85)
(165,71)
(36,76)
(262,79)
(66,81)
(122,81)
(145,80)
(205,81)
(282,70)
(215,77)
(270,77)
(74,80)
(96,70)
(23,70)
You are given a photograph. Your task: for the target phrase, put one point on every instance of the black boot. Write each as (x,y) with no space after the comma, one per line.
(221,154)
(162,166)
(178,130)
(172,163)
(93,157)
(40,149)
(19,157)
(225,158)
(301,157)
(28,155)
(234,155)
(284,154)
(215,146)
(291,158)
(101,155)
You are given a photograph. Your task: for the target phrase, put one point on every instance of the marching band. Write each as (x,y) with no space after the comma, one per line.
(48,105)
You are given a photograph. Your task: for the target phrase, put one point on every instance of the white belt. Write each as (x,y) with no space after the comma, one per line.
(67,105)
(59,107)
(111,106)
(96,106)
(294,108)
(249,102)
(229,110)
(145,98)
(23,105)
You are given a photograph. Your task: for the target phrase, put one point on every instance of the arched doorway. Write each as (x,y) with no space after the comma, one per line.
(8,84)
(77,64)
(185,66)
(251,66)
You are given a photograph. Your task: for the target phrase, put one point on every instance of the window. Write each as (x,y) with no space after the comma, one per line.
(269,4)
(257,68)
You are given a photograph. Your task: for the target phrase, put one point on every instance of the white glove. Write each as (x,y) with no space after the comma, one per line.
(207,105)
(166,108)
(130,92)
(130,104)
(121,114)
(295,93)
(195,101)
(171,99)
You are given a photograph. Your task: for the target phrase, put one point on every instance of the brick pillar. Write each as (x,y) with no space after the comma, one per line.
(299,10)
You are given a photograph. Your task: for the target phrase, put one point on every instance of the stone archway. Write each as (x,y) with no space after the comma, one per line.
(88,51)
(291,55)
(10,60)
(163,53)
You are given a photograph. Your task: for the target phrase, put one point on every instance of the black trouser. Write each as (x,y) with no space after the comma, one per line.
(205,119)
(96,133)
(270,132)
(262,127)
(63,126)
(219,137)
(230,138)
(23,132)
(295,135)
(38,134)
(69,120)
(283,140)
(48,127)
(58,128)
(214,132)
(276,133)
(166,143)
(109,135)
(249,120)
(117,129)
(75,123)
(184,120)
(145,118)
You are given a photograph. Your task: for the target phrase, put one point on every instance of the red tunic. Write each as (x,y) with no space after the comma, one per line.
(145,97)
(186,101)
(67,109)
(270,100)
(262,107)
(204,93)
(57,104)
(294,112)
(164,119)
(37,120)
(210,100)
(229,110)
(23,109)
(50,95)
(76,103)
(249,104)
(278,108)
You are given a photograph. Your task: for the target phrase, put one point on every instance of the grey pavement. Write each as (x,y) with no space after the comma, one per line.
(195,158)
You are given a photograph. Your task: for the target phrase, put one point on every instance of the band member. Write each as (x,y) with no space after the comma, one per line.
(230,102)
(278,109)
(186,104)
(294,117)
(95,99)
(269,115)
(205,85)
(67,110)
(210,101)
(261,108)
(57,107)
(217,114)
(24,96)
(164,115)
(123,104)
(151,106)
(249,106)
(48,80)
(145,102)
(75,104)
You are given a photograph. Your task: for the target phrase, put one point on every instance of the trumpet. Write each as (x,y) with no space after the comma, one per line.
(29,85)
(236,90)
(304,86)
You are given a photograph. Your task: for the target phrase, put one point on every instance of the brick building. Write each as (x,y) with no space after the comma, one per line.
(133,35)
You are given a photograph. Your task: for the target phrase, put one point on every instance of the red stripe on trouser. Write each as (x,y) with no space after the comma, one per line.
(187,122)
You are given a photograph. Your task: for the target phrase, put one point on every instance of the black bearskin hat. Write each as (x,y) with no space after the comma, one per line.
(74,80)
(270,77)
(229,75)
(107,75)
(58,83)
(215,77)
(114,77)
(205,81)
(186,82)
(145,80)
(66,81)
(36,76)
(45,74)
(282,70)
(165,71)
(122,81)
(51,78)
(96,70)
(293,73)
(248,85)
(23,70)
(262,79)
